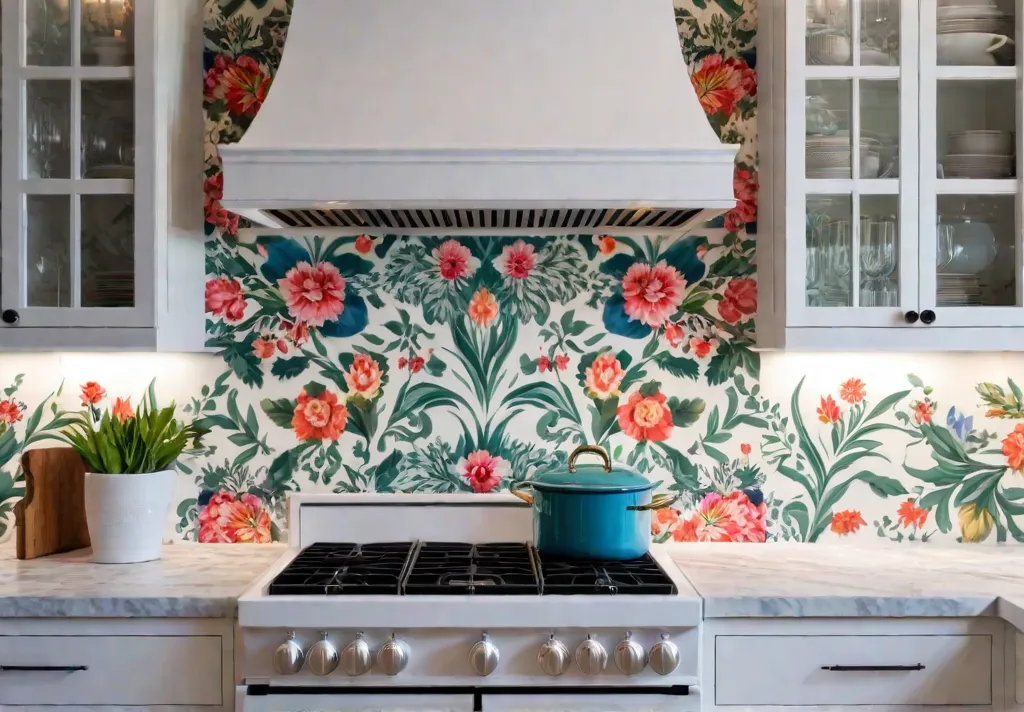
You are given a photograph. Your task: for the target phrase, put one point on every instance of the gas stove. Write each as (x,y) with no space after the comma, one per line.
(384,596)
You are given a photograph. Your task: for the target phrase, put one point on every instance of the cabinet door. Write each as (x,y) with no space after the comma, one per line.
(970,163)
(851,174)
(75,253)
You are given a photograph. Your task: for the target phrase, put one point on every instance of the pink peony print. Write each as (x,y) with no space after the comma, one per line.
(603,377)
(314,294)
(364,377)
(454,260)
(482,470)
(652,294)
(227,519)
(730,518)
(224,298)
(745,187)
(517,260)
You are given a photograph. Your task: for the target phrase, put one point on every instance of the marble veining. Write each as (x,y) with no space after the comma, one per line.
(190,581)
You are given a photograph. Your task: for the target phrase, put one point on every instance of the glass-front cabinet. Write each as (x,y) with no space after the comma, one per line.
(898,150)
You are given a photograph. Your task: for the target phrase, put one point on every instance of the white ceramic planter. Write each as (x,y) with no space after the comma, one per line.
(126,515)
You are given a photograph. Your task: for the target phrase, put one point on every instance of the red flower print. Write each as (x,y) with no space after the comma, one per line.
(122,409)
(745,187)
(483,308)
(363,377)
(1013,448)
(319,417)
(482,470)
(92,393)
(364,243)
(730,518)
(213,191)
(606,244)
(10,412)
(229,520)
(745,448)
(740,298)
(910,515)
(923,411)
(224,298)
(415,364)
(701,347)
(828,411)
(297,333)
(402,361)
(652,294)
(263,347)
(516,260)
(645,417)
(847,522)
(604,376)
(562,362)
(673,334)
(721,83)
(282,346)
(543,364)
(852,391)
(663,520)
(454,260)
(314,295)
(701,251)
(245,86)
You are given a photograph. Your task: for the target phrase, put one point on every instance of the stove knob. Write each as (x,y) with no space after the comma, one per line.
(553,657)
(664,656)
(288,657)
(483,656)
(629,656)
(356,658)
(322,657)
(591,657)
(393,656)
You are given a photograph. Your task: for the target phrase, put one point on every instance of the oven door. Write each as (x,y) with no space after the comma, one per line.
(589,700)
(353,700)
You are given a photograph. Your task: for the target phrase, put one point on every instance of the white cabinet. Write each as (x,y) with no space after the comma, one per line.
(891,212)
(102,234)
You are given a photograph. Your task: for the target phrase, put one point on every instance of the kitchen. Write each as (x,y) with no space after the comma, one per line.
(476,359)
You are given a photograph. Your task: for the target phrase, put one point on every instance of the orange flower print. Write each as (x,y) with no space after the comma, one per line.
(227,519)
(828,411)
(745,448)
(92,393)
(673,334)
(364,243)
(10,412)
(923,411)
(122,409)
(561,362)
(263,347)
(733,517)
(297,333)
(244,84)
(604,376)
(1013,448)
(847,522)
(363,377)
(483,308)
(852,391)
(701,347)
(319,417)
(721,83)
(910,515)
(995,413)
(662,520)
(645,418)
(606,244)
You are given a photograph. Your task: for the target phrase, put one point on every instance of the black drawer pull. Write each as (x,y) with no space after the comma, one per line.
(43,668)
(872,668)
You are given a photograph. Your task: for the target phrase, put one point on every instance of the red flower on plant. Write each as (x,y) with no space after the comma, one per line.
(828,411)
(652,294)
(603,376)
(1013,448)
(721,82)
(245,85)
(745,448)
(663,520)
(606,244)
(482,470)
(319,417)
(122,409)
(364,243)
(847,522)
(561,362)
(416,363)
(923,411)
(673,334)
(517,260)
(740,299)
(92,393)
(454,260)
(852,391)
(314,295)
(645,417)
(263,347)
(10,412)
(227,519)
(364,377)
(543,364)
(213,191)
(701,347)
(224,298)
(910,515)
(297,333)
(730,518)
(483,308)
(745,187)
(402,361)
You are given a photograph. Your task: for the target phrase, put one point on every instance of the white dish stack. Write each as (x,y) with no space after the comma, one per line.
(831,157)
(979,154)
(971,32)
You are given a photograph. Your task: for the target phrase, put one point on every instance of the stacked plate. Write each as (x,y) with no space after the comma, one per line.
(979,154)
(830,157)
(971,16)
(958,290)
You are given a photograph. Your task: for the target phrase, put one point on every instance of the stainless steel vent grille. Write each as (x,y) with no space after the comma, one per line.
(412,219)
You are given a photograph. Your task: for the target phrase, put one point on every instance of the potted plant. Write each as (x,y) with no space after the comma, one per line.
(129,461)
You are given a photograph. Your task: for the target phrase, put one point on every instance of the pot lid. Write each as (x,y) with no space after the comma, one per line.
(592,477)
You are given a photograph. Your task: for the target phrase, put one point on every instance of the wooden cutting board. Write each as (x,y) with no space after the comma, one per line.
(51,517)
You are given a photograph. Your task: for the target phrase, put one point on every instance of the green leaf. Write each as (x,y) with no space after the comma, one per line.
(882,486)
(678,366)
(285,368)
(915,381)
(685,411)
(280,411)
(887,403)
(527,365)
(938,501)
(795,514)
(651,388)
(314,389)
(435,366)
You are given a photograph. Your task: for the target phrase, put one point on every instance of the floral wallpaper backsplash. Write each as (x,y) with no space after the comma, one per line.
(373,362)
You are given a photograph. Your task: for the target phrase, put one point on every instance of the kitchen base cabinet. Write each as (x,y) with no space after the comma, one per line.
(106,664)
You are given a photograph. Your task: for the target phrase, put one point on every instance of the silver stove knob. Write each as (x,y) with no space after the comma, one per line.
(356,658)
(629,656)
(553,657)
(288,657)
(591,657)
(483,656)
(393,656)
(664,656)
(322,656)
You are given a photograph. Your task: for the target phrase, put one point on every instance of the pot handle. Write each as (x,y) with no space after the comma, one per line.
(515,487)
(593,450)
(658,501)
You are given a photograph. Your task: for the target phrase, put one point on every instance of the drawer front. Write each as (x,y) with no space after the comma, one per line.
(119,670)
(792,670)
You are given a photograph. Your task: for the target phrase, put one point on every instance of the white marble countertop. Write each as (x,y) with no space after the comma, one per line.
(190,581)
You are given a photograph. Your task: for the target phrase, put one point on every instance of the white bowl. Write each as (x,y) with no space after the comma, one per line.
(972,49)
(987,143)
(829,48)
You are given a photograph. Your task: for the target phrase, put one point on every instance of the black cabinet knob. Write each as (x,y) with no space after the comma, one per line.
(911,317)
(927,317)
(9,316)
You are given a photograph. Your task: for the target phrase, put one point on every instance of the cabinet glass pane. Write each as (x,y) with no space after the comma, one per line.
(48,250)
(976,33)
(975,122)
(879,251)
(108,33)
(47,33)
(827,114)
(879,128)
(879,32)
(47,125)
(828,32)
(108,129)
(829,251)
(108,251)
(975,244)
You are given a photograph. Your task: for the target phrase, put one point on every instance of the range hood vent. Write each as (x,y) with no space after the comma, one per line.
(431,114)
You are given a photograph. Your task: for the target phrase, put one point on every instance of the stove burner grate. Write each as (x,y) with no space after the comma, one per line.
(459,569)
(572,576)
(335,569)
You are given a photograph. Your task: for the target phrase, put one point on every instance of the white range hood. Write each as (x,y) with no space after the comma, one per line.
(448,114)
